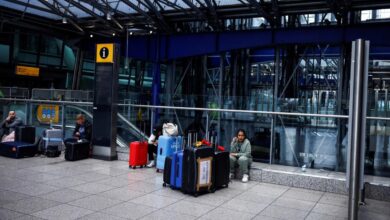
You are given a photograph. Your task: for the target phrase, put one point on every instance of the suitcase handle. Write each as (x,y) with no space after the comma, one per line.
(191,134)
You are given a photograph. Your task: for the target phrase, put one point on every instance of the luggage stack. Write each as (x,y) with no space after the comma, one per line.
(197,170)
(198,175)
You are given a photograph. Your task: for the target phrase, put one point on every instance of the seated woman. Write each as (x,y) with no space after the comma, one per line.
(240,155)
(152,145)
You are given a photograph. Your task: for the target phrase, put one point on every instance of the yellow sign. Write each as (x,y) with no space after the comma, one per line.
(104,53)
(27,71)
(48,114)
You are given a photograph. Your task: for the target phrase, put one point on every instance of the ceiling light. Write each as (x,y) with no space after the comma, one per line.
(108,16)
(91,35)
(150,32)
(113,34)
(64,21)
(131,33)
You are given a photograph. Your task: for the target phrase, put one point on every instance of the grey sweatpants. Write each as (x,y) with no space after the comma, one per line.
(243,164)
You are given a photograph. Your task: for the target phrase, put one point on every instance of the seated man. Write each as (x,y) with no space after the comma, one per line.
(7,127)
(82,130)
(152,144)
(240,154)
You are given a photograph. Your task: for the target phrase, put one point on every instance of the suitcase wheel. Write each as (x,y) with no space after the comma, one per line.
(133,167)
(157,170)
(195,194)
(164,185)
(212,190)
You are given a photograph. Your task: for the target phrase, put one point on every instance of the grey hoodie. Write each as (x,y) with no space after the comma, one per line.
(245,149)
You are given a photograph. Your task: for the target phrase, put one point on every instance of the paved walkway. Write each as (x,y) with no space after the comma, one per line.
(51,188)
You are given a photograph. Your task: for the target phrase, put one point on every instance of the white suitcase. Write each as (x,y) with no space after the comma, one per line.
(52,142)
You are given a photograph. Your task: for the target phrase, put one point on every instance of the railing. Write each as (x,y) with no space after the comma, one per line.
(317,143)
(62,95)
(14,92)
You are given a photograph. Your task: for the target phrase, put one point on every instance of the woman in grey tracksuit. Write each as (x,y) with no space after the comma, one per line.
(240,154)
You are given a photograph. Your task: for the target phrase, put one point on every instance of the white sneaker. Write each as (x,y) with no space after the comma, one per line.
(151,164)
(231,176)
(245,178)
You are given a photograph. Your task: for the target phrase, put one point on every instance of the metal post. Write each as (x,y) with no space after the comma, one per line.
(340,125)
(221,71)
(63,120)
(275,102)
(358,96)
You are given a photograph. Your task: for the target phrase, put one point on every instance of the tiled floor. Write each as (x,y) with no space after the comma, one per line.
(51,188)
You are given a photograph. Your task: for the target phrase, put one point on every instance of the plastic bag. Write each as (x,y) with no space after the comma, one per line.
(170,129)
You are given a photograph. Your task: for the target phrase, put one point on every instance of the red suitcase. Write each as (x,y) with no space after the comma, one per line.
(138,154)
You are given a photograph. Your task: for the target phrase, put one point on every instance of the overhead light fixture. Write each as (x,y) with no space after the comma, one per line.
(64,21)
(108,16)
(91,35)
(150,32)
(131,33)
(113,34)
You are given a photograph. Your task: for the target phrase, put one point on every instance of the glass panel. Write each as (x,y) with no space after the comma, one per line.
(377,161)
(29,42)
(4,51)
(28,58)
(304,144)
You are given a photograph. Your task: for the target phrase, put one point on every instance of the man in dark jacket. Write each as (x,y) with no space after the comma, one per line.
(83,129)
(9,124)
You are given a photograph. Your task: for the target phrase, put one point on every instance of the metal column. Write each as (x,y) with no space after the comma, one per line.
(340,122)
(221,73)
(275,102)
(357,123)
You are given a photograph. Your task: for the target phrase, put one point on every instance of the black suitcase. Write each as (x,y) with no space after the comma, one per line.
(221,169)
(25,134)
(24,144)
(198,170)
(167,171)
(18,149)
(76,150)
(52,151)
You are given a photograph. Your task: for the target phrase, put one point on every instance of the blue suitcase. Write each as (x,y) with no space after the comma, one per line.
(176,170)
(166,146)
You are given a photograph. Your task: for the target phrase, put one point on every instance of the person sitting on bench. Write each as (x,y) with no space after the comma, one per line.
(7,127)
(240,155)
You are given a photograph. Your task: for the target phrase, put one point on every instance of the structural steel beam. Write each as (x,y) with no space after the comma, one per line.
(63,14)
(32,6)
(185,45)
